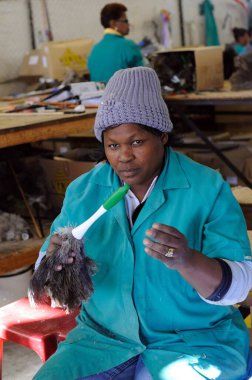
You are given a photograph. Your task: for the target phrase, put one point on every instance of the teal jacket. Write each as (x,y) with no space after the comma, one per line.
(112,53)
(241,49)
(139,306)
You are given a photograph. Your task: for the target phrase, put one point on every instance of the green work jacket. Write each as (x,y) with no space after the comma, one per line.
(139,306)
(113,53)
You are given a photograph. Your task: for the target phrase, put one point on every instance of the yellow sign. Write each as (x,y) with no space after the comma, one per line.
(70,58)
(60,182)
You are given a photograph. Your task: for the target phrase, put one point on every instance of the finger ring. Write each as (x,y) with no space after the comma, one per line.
(170,252)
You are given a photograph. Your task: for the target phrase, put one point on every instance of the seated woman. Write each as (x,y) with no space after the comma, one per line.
(113,52)
(172,257)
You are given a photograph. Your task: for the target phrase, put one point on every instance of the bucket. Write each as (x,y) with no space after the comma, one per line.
(14,285)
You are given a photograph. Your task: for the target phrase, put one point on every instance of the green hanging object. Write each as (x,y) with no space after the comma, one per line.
(211,32)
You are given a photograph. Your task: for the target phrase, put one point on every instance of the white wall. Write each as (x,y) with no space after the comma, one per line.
(14,36)
(224,10)
(77,18)
(71,19)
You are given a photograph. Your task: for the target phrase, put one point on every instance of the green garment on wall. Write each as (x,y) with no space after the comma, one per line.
(211,32)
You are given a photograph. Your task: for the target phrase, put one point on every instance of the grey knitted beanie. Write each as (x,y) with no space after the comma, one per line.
(133,96)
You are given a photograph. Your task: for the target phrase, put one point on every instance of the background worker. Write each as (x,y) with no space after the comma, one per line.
(113,52)
(241,45)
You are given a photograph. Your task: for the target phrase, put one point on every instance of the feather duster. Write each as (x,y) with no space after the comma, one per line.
(71,285)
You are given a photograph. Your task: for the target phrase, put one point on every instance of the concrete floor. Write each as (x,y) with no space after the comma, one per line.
(19,363)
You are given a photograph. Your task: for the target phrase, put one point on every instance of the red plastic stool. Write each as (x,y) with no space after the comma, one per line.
(39,329)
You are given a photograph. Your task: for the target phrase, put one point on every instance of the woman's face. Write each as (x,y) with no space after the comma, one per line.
(121,25)
(244,40)
(135,154)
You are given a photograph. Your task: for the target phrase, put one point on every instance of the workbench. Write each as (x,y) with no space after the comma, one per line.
(224,97)
(20,128)
(17,129)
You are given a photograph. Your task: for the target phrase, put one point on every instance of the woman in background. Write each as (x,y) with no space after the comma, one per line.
(113,52)
(241,45)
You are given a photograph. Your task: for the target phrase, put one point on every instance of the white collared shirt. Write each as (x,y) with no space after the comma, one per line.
(132,201)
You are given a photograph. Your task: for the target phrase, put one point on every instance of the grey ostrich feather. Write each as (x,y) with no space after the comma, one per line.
(68,287)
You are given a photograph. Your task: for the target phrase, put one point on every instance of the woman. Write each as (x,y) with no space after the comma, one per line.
(241,45)
(113,52)
(168,256)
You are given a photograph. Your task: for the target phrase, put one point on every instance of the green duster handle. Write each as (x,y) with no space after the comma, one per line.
(79,231)
(116,197)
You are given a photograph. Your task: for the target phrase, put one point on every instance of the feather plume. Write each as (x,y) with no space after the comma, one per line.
(68,287)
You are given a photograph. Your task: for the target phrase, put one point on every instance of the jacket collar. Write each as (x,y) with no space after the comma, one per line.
(171,177)
(112,31)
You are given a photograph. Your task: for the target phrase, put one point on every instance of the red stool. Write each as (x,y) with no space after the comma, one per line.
(39,329)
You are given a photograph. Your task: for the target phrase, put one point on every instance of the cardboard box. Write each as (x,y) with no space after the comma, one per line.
(238,156)
(32,64)
(201,66)
(59,56)
(59,173)
(55,58)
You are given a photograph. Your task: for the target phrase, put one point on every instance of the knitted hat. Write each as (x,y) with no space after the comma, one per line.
(133,96)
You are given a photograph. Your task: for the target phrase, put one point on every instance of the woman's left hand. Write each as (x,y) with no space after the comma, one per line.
(169,246)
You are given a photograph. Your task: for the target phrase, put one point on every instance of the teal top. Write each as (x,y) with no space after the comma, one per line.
(241,49)
(139,306)
(113,53)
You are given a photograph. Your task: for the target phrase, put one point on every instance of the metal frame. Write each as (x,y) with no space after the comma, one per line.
(176,102)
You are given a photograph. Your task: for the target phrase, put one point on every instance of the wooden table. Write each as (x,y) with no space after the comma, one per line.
(19,128)
(16,129)
(224,96)
(213,98)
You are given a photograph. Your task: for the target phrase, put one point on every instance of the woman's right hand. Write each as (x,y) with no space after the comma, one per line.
(54,245)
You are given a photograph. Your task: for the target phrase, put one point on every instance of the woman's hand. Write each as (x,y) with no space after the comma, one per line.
(169,246)
(54,245)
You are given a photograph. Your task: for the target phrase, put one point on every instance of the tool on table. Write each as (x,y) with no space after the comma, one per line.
(68,287)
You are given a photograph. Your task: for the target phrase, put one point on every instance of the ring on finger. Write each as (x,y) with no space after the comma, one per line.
(170,252)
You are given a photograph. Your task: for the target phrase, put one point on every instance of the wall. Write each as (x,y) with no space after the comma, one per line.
(228,14)
(83,18)
(76,18)
(14,36)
